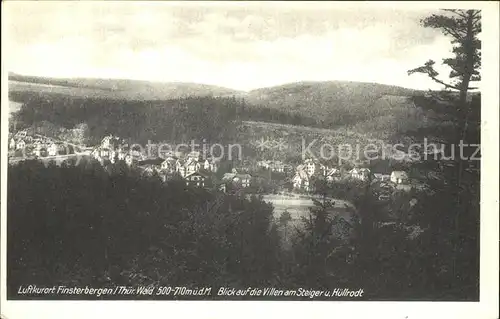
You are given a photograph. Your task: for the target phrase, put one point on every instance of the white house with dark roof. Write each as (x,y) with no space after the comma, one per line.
(237,179)
(169,164)
(197,179)
(360,173)
(312,167)
(404,187)
(20,144)
(333,174)
(133,158)
(12,144)
(275,166)
(111,142)
(209,164)
(191,166)
(53,149)
(399,177)
(40,150)
(301,180)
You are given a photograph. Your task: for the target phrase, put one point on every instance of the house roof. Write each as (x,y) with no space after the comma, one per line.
(190,161)
(169,160)
(196,173)
(243,176)
(333,171)
(404,187)
(399,174)
(230,176)
(301,174)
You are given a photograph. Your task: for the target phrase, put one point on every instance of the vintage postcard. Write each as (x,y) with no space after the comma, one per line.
(213,159)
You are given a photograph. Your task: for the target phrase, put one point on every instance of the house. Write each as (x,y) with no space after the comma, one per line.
(360,173)
(21,134)
(192,165)
(137,155)
(53,149)
(12,144)
(399,177)
(179,167)
(112,156)
(386,186)
(404,187)
(21,144)
(384,197)
(222,187)
(121,154)
(263,164)
(110,142)
(40,150)
(197,179)
(149,168)
(129,160)
(333,174)
(385,177)
(183,167)
(104,154)
(301,180)
(237,179)
(95,153)
(311,167)
(181,170)
(210,165)
(275,166)
(168,165)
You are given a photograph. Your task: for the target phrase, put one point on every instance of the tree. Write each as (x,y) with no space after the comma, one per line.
(284,219)
(96,227)
(463,27)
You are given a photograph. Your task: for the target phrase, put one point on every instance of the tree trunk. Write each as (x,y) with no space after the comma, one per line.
(464,111)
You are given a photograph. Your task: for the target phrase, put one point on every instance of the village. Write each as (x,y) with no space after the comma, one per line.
(201,170)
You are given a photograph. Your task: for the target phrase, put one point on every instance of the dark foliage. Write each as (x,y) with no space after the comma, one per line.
(88,226)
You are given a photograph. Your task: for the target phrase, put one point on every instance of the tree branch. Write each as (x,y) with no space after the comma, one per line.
(450,86)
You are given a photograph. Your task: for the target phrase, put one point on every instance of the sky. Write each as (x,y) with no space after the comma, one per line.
(236,45)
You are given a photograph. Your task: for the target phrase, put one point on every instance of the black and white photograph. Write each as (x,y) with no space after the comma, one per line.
(302,152)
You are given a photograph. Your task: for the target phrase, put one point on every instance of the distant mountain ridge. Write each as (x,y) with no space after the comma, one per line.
(325,93)
(313,89)
(333,102)
(115,88)
(322,104)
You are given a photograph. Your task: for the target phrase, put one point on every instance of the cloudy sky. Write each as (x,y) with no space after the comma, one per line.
(241,46)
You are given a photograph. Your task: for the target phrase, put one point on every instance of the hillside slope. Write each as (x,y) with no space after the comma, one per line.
(334,103)
(374,110)
(114,88)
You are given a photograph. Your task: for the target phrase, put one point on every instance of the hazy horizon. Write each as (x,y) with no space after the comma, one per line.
(233,45)
(198,83)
